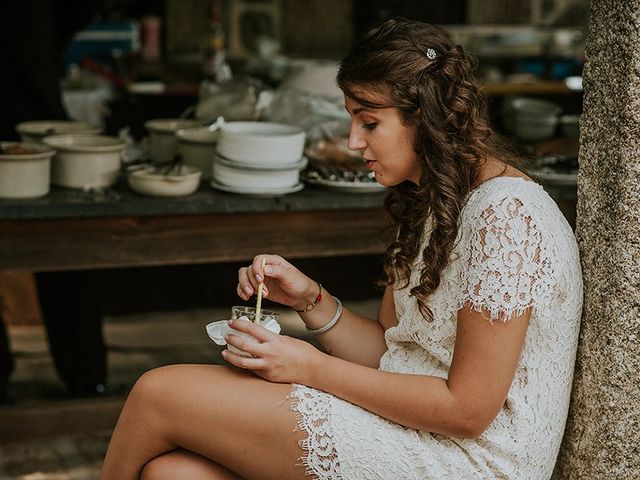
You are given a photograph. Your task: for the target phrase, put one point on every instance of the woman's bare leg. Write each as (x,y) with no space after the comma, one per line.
(184,465)
(231,417)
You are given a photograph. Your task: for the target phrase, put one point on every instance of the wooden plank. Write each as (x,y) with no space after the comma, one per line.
(534,88)
(187,239)
(19,298)
(24,423)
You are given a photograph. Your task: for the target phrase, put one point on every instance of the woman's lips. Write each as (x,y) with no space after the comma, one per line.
(370,163)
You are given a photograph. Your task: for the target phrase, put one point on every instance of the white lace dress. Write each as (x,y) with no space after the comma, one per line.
(515,250)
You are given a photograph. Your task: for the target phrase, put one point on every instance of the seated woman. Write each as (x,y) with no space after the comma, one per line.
(467,371)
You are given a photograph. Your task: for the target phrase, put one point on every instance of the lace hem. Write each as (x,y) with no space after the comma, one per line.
(313,412)
(492,314)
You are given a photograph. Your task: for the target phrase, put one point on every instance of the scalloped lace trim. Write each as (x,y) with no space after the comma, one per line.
(508,264)
(320,456)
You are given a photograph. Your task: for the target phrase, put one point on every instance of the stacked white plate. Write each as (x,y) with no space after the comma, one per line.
(260,158)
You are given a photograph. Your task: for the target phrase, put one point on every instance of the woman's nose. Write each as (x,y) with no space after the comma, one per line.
(356,140)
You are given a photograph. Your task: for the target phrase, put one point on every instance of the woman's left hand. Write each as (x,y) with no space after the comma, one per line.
(276,358)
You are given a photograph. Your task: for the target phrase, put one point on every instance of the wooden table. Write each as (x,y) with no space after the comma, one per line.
(69,230)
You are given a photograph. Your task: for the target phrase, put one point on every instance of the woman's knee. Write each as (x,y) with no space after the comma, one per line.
(154,469)
(152,383)
(184,465)
(159,386)
(163,467)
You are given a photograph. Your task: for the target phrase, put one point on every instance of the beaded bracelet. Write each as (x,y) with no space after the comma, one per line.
(309,307)
(331,323)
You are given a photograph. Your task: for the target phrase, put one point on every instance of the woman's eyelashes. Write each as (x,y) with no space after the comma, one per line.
(369,126)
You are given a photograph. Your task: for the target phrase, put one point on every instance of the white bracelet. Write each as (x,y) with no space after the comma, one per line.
(329,325)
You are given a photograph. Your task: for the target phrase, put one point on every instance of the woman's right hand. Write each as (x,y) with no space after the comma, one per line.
(283,283)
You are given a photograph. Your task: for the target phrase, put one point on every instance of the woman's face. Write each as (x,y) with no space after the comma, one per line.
(384,142)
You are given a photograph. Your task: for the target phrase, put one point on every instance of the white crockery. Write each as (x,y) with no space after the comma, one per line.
(256,191)
(570,126)
(157,184)
(226,172)
(198,148)
(34,132)
(266,143)
(535,119)
(162,137)
(85,161)
(25,175)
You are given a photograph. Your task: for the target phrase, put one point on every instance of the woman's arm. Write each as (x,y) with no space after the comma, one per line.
(463,405)
(354,338)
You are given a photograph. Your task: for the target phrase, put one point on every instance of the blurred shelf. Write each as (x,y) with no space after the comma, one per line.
(558,146)
(548,87)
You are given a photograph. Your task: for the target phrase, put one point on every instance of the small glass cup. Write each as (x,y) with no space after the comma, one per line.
(217,331)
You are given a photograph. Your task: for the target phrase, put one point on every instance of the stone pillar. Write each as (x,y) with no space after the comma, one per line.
(602,438)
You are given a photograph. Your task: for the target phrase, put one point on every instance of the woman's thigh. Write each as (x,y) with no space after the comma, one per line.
(232,417)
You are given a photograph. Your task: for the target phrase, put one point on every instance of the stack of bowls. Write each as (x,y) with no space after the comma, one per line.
(259,158)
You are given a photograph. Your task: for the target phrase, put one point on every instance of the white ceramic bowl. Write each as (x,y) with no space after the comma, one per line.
(570,126)
(535,119)
(155,183)
(24,175)
(235,175)
(163,144)
(535,129)
(35,131)
(536,108)
(198,148)
(85,161)
(266,143)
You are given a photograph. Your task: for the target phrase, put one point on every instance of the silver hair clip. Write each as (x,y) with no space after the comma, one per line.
(431,53)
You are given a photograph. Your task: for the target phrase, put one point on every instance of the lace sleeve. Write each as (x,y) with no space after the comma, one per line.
(506,263)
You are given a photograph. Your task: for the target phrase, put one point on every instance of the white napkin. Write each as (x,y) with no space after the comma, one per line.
(218,330)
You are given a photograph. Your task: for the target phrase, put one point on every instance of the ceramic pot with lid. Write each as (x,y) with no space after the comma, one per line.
(34,132)
(163,144)
(198,148)
(85,161)
(24,170)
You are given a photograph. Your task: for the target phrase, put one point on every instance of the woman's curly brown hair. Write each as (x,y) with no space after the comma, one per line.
(440,99)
